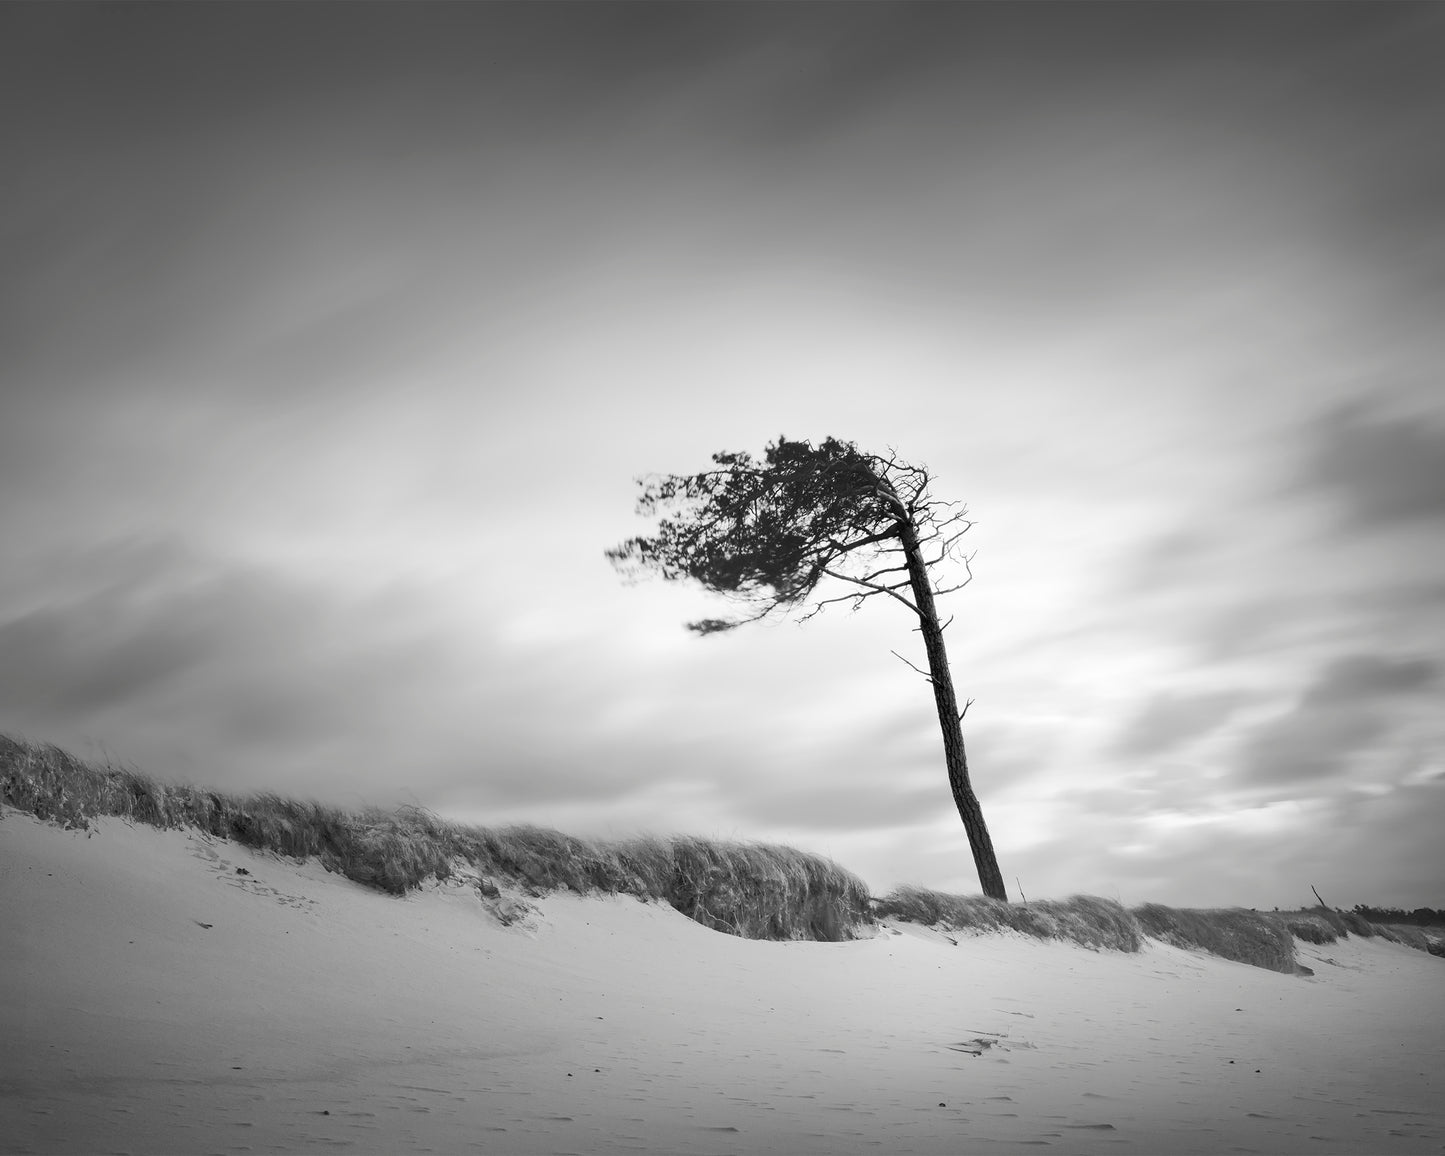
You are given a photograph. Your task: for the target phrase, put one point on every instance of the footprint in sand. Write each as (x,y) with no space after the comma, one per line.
(204,849)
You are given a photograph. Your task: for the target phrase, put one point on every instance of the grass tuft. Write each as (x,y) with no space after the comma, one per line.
(1404,933)
(1083,919)
(758,891)
(1234,933)
(1309,927)
(754,890)
(1330,916)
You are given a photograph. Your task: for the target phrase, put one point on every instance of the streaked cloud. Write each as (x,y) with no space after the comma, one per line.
(329,349)
(1339,716)
(1170,720)
(1383,469)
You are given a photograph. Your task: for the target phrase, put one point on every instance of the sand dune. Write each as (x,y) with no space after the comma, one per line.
(154,998)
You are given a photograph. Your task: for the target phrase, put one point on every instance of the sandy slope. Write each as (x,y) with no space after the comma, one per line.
(153,1000)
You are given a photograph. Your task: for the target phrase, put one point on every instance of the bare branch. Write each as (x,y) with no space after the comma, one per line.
(964,711)
(841,548)
(886,570)
(817,608)
(952,538)
(873,586)
(906,663)
(968,571)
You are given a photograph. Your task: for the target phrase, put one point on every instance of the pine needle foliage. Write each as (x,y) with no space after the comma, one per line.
(764,532)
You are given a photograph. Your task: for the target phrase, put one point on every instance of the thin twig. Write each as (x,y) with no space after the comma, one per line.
(905,661)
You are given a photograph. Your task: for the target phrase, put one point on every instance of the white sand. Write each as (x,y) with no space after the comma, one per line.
(152,1000)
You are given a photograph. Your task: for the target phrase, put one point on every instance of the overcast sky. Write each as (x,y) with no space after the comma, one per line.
(332,340)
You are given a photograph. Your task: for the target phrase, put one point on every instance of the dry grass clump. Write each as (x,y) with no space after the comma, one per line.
(1234,933)
(1404,933)
(1330,916)
(1428,939)
(1326,925)
(1084,919)
(753,890)
(758,891)
(764,891)
(1309,927)
(1357,924)
(49,783)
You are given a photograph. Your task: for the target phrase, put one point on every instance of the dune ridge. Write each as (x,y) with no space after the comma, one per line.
(756,891)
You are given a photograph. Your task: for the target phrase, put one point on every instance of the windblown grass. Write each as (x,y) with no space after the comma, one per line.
(756,891)
(1309,926)
(1325,925)
(1357,924)
(1332,918)
(1234,933)
(1083,919)
(1431,939)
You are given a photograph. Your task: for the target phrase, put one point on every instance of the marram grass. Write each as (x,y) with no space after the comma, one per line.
(1246,936)
(1083,919)
(754,890)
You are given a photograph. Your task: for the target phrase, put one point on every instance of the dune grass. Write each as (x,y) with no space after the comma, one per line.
(1259,939)
(1234,933)
(1244,936)
(1083,919)
(756,891)
(1310,926)
(1321,925)
(1420,938)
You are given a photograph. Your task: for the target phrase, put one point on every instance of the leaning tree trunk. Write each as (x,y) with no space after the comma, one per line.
(949,718)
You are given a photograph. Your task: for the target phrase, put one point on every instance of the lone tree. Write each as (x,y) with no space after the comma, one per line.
(767,533)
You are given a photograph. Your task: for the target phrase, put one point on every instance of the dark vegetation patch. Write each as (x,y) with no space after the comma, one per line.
(753,890)
(1234,933)
(1309,927)
(1083,919)
(757,891)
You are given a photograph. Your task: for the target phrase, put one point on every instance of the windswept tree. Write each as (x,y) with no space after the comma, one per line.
(768,533)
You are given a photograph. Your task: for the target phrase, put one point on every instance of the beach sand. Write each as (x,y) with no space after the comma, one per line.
(155,1000)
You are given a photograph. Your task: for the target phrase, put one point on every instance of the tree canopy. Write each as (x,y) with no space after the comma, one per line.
(766,532)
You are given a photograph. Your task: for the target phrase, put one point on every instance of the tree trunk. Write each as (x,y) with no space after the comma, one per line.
(949,719)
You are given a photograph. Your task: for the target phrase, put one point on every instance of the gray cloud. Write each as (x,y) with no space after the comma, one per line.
(1382,469)
(1370,677)
(1170,720)
(328,298)
(1343,712)
(206,669)
(818,802)
(68,662)
(135,617)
